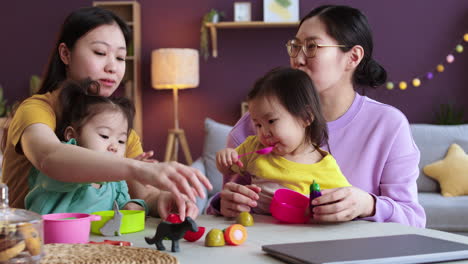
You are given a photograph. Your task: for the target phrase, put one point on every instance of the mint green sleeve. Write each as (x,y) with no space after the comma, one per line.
(123,197)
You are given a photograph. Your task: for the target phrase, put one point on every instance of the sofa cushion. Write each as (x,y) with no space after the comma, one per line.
(445,213)
(433,141)
(215,140)
(451,172)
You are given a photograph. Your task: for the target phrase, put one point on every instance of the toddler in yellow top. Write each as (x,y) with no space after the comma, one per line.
(285,110)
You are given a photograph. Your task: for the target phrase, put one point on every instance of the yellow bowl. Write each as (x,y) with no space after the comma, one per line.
(132,221)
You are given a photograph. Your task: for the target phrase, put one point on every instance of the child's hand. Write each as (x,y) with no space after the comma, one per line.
(133,206)
(146,156)
(225,158)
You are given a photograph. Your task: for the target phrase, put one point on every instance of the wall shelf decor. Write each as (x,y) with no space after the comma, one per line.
(130,12)
(252,24)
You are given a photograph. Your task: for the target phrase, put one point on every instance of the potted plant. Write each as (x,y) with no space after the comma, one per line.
(213,16)
(34,84)
(449,115)
(3,105)
(4,111)
(5,108)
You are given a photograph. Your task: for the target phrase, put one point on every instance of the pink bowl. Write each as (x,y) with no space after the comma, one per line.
(290,207)
(74,230)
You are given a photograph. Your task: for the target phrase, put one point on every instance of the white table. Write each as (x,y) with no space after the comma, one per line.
(267,230)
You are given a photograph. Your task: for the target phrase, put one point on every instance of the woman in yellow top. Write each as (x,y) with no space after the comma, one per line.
(285,110)
(92,44)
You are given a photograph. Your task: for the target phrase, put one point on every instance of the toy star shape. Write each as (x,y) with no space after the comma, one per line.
(451,172)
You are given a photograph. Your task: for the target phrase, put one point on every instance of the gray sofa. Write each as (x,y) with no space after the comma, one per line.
(443,213)
(215,139)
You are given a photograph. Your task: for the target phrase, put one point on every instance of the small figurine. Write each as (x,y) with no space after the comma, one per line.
(314,193)
(174,231)
(112,227)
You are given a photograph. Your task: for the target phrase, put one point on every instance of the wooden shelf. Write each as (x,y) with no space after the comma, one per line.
(252,24)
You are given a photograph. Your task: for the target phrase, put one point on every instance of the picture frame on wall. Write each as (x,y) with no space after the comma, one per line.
(242,11)
(281,10)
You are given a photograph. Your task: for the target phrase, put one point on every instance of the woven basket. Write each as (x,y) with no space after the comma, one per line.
(103,254)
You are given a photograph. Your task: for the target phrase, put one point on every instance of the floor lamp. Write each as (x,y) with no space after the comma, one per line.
(175,69)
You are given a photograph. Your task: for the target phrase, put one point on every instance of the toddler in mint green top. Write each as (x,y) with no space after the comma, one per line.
(51,196)
(94,122)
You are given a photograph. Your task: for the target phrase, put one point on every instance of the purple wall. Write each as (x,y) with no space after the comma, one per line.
(411,37)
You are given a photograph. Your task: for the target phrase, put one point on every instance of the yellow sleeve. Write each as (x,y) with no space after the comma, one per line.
(330,174)
(31,111)
(134,147)
(39,109)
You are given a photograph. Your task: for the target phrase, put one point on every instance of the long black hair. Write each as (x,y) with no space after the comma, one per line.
(80,101)
(77,24)
(296,92)
(349,27)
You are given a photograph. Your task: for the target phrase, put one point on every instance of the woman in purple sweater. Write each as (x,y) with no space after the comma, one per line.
(371,141)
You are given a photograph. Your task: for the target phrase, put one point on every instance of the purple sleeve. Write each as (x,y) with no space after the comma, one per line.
(398,199)
(241,130)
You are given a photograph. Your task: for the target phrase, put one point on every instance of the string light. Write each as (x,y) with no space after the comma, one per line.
(440,68)
(403,85)
(420,79)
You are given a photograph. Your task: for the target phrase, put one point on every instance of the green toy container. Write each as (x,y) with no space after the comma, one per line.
(132,221)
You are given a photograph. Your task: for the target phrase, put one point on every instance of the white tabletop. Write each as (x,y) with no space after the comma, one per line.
(267,230)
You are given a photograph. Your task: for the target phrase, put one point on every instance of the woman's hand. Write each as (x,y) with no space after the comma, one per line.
(175,178)
(225,158)
(236,198)
(343,204)
(167,204)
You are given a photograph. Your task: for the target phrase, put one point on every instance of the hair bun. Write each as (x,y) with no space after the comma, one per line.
(371,74)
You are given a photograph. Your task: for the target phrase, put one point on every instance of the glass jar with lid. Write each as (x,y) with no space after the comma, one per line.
(21,233)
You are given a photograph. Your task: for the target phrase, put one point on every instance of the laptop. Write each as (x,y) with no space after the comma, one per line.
(408,248)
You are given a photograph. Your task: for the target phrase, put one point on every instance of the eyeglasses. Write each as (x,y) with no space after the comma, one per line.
(309,47)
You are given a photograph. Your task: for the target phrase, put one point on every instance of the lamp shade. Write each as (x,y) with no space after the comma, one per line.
(174,68)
